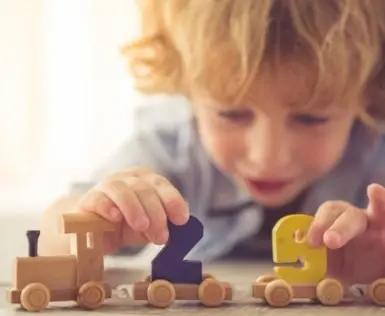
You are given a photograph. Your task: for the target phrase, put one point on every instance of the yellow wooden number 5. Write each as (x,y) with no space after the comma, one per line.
(287,250)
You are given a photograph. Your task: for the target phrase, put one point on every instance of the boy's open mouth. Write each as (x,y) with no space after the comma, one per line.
(266,186)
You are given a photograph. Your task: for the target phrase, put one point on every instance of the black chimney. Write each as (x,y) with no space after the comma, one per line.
(33,236)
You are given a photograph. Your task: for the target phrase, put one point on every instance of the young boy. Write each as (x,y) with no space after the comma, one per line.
(280,106)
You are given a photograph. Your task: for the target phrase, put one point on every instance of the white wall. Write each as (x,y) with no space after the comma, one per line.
(65,100)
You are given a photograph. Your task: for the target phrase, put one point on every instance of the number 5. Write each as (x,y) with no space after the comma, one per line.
(286,249)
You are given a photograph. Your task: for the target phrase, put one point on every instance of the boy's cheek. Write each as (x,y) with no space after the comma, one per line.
(225,153)
(320,154)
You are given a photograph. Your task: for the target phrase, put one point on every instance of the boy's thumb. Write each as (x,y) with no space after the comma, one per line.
(376,206)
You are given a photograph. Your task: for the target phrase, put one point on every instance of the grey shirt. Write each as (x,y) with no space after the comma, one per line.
(166,140)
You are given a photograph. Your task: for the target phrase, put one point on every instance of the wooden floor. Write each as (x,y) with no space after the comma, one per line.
(240,275)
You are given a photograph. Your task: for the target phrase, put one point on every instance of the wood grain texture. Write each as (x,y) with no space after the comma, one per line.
(240,275)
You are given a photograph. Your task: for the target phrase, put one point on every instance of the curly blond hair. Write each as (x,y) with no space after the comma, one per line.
(218,46)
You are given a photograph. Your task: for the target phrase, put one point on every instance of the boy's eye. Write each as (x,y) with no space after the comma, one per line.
(308,119)
(236,115)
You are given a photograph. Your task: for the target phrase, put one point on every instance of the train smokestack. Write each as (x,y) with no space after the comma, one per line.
(33,237)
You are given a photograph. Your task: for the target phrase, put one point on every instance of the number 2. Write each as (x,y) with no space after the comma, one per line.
(169,264)
(288,250)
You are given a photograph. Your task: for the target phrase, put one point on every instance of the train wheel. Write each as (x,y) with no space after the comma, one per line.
(266,278)
(376,292)
(161,293)
(207,276)
(329,292)
(278,293)
(35,297)
(91,295)
(211,293)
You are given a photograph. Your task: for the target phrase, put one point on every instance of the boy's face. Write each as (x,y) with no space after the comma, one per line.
(271,148)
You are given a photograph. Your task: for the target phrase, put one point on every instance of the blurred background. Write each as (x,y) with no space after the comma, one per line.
(65,101)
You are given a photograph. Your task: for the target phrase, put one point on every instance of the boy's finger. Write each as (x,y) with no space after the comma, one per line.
(350,224)
(376,207)
(326,214)
(174,204)
(157,231)
(132,238)
(135,172)
(101,204)
(127,204)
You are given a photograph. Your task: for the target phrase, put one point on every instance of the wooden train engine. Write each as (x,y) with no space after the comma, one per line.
(39,280)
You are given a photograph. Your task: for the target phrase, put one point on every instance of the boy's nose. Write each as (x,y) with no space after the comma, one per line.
(269,149)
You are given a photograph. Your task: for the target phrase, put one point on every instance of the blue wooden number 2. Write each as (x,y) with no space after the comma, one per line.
(169,264)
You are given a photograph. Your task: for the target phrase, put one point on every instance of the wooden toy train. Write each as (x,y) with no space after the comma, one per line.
(38,280)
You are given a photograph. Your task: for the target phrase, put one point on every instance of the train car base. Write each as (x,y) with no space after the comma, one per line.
(278,293)
(36,296)
(162,293)
(329,292)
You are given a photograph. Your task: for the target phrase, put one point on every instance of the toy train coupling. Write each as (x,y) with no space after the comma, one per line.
(124,291)
(33,238)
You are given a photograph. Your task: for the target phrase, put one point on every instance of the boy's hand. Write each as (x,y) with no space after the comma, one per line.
(141,201)
(355,238)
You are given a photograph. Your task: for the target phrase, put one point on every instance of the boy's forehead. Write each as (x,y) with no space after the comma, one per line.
(291,85)
(290,82)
